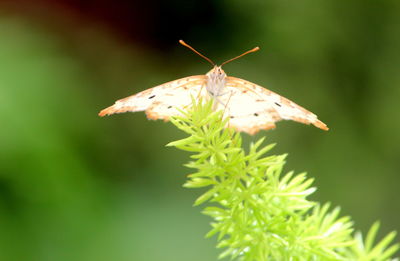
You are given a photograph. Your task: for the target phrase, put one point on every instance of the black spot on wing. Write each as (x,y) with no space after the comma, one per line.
(277,104)
(151,97)
(256,114)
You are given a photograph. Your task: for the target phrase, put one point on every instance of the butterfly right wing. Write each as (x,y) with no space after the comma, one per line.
(160,102)
(252,107)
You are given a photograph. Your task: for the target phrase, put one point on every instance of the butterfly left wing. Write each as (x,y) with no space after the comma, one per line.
(251,107)
(161,102)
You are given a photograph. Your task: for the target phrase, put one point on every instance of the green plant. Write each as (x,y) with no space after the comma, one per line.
(258,212)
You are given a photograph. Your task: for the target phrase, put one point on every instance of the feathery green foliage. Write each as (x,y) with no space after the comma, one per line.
(258,212)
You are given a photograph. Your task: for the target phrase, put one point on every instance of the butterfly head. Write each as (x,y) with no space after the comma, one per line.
(216,73)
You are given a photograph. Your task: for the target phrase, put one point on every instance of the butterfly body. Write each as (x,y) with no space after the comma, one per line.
(248,106)
(216,81)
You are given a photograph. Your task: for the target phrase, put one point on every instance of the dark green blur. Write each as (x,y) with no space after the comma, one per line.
(74,186)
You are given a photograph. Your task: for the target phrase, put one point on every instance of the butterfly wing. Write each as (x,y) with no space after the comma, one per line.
(252,108)
(161,102)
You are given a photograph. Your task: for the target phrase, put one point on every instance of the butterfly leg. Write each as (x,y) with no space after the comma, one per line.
(226,105)
(217,100)
(223,114)
(197,98)
(201,89)
(215,96)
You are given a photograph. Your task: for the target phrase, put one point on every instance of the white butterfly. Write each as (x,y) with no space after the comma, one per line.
(250,107)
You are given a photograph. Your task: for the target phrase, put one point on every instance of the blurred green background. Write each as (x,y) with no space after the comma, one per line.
(74,186)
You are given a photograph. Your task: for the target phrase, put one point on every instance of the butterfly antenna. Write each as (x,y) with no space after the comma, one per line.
(194,50)
(255,49)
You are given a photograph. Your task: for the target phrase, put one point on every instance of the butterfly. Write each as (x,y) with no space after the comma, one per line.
(249,107)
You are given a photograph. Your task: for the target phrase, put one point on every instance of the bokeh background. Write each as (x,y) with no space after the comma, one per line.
(74,186)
